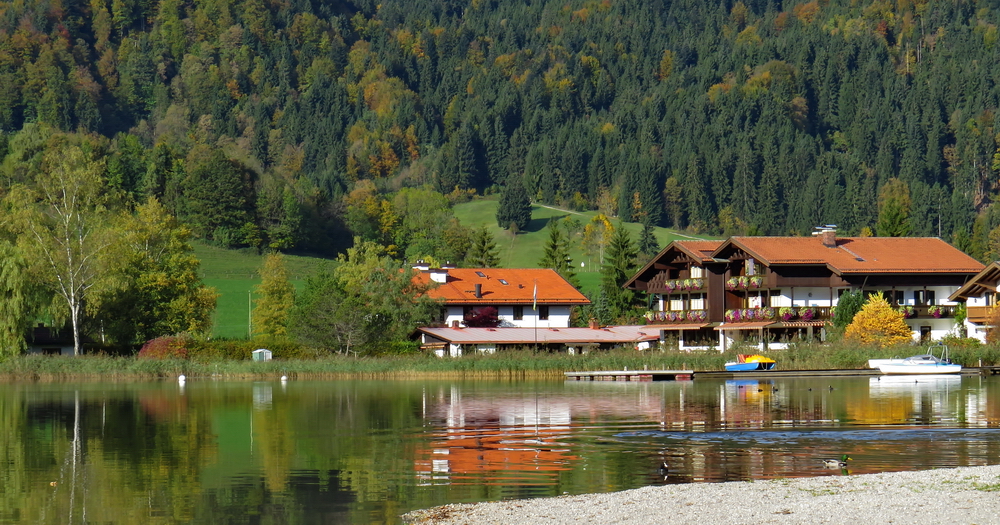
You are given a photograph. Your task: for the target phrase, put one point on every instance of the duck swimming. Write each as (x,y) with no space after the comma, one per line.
(837,463)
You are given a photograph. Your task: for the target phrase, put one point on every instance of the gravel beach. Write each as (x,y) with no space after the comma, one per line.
(961,495)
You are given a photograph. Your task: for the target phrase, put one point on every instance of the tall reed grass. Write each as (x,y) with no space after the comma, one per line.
(513,364)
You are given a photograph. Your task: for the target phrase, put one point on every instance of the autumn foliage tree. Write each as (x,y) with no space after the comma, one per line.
(879,324)
(277,296)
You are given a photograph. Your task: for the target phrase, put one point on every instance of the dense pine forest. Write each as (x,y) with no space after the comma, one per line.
(298,124)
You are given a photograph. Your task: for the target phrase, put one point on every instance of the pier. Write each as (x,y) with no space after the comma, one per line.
(631,375)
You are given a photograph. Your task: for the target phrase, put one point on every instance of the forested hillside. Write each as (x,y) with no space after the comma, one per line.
(294,124)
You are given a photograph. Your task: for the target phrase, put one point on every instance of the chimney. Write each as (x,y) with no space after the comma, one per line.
(448,265)
(827,235)
(594,325)
(830,238)
(479,291)
(421,265)
(439,275)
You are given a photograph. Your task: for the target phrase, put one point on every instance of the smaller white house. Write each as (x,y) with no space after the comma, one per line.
(521,297)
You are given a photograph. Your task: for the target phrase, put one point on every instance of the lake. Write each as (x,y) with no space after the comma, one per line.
(361,452)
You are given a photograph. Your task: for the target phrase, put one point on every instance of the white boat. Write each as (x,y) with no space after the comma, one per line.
(922,364)
(875,363)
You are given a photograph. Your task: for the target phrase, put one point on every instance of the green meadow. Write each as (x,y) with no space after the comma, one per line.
(233,273)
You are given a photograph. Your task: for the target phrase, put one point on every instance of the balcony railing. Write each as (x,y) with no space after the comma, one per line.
(979,314)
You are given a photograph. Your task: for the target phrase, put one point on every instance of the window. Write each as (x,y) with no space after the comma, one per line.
(775,298)
(697,272)
(518,313)
(923,297)
(543,312)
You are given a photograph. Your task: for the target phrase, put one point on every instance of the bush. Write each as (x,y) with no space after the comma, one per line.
(166,347)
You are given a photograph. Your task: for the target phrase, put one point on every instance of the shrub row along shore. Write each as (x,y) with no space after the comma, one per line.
(516,364)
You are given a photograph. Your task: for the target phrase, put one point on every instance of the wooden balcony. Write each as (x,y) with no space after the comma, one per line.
(979,314)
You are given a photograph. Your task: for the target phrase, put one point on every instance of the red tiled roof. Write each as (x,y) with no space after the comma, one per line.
(460,287)
(906,255)
(607,335)
(699,249)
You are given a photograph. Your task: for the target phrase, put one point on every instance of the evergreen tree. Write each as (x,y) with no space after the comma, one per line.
(648,245)
(514,206)
(849,304)
(619,265)
(483,252)
(894,210)
(556,254)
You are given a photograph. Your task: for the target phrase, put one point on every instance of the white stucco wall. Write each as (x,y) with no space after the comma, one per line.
(558,317)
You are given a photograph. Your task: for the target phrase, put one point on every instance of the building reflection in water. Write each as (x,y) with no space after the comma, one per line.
(710,430)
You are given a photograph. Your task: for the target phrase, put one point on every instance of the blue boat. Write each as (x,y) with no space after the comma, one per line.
(747,363)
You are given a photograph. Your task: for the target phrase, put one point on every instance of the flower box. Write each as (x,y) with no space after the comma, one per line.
(936,311)
(786,313)
(807,313)
(697,316)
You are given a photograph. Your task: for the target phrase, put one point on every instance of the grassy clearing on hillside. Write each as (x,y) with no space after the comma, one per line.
(220,263)
(526,249)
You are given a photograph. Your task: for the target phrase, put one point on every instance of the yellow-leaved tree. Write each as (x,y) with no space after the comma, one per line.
(879,323)
(277,296)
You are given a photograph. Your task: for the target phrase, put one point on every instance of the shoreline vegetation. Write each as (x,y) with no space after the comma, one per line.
(504,365)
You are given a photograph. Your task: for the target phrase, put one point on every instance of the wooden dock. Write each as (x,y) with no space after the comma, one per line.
(686,375)
(631,375)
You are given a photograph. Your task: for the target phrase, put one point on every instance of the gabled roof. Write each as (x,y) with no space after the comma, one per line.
(984,282)
(857,255)
(699,250)
(525,336)
(503,286)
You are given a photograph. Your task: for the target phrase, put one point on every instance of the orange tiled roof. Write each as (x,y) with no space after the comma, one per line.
(520,285)
(702,249)
(905,255)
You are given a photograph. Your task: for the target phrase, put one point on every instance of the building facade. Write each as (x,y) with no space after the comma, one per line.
(769,291)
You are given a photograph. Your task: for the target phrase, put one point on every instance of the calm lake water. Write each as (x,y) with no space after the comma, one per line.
(367,451)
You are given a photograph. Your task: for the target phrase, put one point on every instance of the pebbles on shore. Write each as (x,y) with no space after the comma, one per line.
(932,497)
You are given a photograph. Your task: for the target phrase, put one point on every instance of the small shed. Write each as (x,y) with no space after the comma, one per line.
(261,354)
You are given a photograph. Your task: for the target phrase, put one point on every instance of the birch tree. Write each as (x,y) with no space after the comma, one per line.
(62,227)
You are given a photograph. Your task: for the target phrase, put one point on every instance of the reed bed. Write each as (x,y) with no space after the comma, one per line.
(511,364)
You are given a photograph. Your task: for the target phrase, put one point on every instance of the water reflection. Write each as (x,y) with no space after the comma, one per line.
(368,451)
